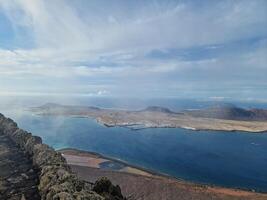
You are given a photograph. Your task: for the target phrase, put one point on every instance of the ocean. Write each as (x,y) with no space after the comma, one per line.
(229,159)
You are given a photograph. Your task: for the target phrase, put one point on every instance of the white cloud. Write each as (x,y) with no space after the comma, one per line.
(57,24)
(82,43)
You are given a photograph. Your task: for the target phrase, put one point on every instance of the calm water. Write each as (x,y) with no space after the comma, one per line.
(221,158)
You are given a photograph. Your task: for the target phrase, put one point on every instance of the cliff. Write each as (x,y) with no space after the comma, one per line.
(51,178)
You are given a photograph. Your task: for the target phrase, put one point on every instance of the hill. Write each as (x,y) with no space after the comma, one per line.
(230,112)
(157,109)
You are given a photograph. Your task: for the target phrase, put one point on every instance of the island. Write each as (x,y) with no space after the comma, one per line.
(219,118)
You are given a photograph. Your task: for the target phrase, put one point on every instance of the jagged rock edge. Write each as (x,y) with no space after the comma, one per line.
(56,180)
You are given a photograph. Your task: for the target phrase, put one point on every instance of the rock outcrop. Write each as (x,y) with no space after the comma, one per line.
(18,177)
(56,180)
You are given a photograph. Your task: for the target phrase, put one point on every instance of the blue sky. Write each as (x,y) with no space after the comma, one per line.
(188,49)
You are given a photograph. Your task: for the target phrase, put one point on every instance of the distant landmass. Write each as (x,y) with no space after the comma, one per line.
(157,109)
(230,112)
(220,117)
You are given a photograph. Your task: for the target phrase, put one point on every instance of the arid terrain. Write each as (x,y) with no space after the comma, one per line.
(144,185)
(218,118)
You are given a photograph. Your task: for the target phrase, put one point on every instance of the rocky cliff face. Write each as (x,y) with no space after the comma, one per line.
(55,179)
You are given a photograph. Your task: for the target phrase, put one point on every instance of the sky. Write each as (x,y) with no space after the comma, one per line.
(184,49)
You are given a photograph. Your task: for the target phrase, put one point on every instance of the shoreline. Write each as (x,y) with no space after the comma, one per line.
(178,127)
(151,127)
(156,127)
(157,174)
(152,172)
(230,119)
(144,126)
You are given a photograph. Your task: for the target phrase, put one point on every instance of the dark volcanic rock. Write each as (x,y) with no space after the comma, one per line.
(17,176)
(104,187)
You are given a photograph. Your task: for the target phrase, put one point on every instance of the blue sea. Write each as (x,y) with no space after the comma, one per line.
(229,159)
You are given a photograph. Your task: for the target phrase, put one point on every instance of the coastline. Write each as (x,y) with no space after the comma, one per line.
(178,127)
(141,125)
(191,123)
(160,175)
(152,172)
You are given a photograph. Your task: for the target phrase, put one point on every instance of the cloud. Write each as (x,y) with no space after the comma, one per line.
(58,24)
(133,47)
